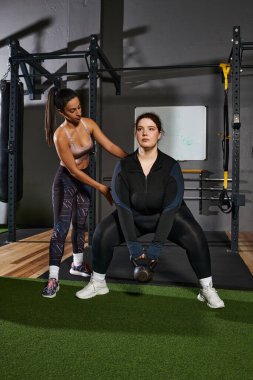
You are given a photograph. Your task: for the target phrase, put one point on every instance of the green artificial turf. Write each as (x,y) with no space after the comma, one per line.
(134,332)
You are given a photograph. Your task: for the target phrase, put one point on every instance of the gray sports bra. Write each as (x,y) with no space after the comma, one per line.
(80,153)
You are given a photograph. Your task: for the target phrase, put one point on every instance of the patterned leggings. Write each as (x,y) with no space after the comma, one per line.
(71,201)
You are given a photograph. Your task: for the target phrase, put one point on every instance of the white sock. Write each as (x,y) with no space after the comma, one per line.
(77,259)
(205,282)
(54,272)
(98,276)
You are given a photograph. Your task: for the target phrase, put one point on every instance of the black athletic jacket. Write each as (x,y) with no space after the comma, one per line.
(137,196)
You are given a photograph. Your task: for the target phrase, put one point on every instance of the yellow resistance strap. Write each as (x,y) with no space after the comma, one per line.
(225,69)
(224,201)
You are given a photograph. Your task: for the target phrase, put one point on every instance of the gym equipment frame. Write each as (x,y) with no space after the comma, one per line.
(19,58)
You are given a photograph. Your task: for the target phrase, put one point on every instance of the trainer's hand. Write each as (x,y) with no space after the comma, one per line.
(105,190)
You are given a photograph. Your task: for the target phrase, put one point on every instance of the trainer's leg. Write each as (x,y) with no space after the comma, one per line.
(79,217)
(63,195)
(80,211)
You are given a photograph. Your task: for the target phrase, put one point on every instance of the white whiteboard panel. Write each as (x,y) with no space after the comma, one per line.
(185,131)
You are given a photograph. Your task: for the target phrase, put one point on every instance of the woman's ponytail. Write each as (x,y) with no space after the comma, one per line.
(56,99)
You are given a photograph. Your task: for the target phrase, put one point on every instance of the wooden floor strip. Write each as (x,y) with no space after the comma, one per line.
(245,243)
(29,257)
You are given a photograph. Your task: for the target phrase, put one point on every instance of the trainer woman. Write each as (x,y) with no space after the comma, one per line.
(73,141)
(147,188)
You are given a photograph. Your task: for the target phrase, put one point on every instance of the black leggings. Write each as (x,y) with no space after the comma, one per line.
(185,232)
(71,201)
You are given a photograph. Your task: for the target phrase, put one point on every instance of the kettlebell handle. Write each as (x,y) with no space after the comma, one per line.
(151,263)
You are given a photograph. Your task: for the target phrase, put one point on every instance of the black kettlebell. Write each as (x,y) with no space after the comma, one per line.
(143,269)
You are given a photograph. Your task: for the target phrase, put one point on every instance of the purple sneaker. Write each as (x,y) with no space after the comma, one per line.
(81,270)
(51,288)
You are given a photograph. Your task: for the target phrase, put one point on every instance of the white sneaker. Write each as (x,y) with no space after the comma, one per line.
(93,289)
(210,296)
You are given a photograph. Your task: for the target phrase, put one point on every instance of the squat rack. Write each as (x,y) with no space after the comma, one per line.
(19,58)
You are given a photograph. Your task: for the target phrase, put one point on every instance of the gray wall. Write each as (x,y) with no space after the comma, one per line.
(134,33)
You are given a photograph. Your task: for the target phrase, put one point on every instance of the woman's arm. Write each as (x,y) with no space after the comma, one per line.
(66,156)
(121,197)
(104,141)
(172,201)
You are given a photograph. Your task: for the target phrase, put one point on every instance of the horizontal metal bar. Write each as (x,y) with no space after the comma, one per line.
(204,198)
(106,179)
(77,73)
(167,67)
(29,58)
(63,52)
(215,179)
(247,48)
(206,188)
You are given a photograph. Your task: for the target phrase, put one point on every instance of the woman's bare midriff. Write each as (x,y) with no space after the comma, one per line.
(81,166)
